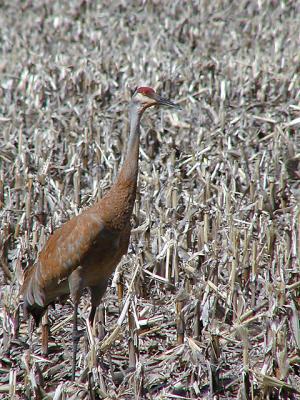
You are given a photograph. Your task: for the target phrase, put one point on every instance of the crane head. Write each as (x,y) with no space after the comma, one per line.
(146,97)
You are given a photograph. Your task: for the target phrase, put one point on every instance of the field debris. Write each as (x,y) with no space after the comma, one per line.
(206,303)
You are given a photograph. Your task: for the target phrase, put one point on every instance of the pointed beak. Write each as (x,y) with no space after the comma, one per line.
(165,102)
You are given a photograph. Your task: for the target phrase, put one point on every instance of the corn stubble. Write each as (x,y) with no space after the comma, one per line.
(206,303)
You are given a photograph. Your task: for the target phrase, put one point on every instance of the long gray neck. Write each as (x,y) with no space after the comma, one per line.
(129,169)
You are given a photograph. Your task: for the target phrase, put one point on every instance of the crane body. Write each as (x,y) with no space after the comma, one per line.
(85,250)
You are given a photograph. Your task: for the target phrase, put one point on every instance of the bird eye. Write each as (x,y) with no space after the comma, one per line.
(134,91)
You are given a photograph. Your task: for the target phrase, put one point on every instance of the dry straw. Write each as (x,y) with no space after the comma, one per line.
(205,304)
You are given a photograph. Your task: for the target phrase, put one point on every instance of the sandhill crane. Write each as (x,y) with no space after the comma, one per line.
(84,251)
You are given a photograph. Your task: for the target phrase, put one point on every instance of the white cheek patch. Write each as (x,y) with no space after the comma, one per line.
(140,97)
(144,99)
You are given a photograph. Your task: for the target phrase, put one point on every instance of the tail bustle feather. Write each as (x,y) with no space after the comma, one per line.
(36,311)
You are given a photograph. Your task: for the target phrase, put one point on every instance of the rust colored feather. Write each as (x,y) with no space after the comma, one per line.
(84,251)
(94,240)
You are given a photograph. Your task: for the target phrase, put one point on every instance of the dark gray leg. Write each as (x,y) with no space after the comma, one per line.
(97,293)
(75,338)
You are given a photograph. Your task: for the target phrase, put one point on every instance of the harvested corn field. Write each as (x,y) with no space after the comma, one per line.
(206,302)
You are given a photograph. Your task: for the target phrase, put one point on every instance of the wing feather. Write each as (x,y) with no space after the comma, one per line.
(62,254)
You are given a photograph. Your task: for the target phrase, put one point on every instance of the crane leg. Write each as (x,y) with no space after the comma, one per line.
(75,338)
(97,293)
